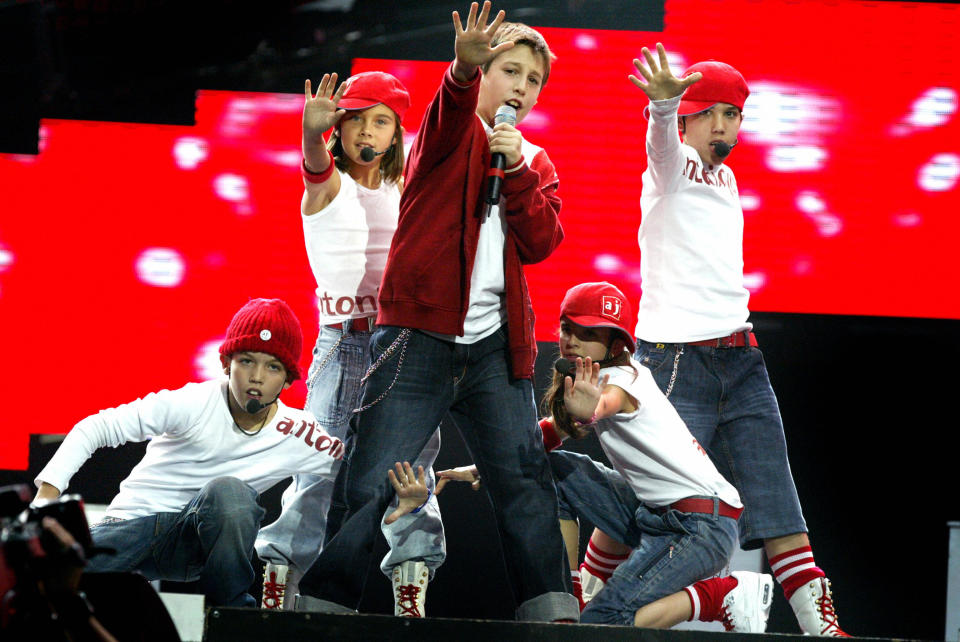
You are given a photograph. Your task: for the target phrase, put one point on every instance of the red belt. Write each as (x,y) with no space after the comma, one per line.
(705,506)
(740,339)
(363,324)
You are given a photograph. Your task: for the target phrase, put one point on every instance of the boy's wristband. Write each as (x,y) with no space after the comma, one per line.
(418,508)
(318,177)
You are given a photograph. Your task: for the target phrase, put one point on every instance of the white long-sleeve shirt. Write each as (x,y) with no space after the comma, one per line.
(193,440)
(691,240)
(652,448)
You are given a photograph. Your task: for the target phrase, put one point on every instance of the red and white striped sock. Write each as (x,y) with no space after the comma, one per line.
(795,568)
(577,588)
(601,563)
(706,597)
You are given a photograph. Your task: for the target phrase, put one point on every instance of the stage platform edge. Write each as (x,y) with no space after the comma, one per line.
(232,624)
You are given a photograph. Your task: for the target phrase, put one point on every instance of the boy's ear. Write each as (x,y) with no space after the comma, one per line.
(225,362)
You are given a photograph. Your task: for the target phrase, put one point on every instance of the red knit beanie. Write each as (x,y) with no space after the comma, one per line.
(266,325)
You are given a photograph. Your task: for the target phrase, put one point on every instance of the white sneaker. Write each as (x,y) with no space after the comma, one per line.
(410,589)
(274,586)
(589,583)
(747,606)
(813,606)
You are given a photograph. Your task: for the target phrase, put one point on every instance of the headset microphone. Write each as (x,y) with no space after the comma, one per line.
(254,406)
(722,149)
(566,368)
(367,153)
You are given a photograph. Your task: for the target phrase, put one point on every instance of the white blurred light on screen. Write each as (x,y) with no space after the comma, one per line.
(749,201)
(189,152)
(231,187)
(815,209)
(796,158)
(779,113)
(283,157)
(161,267)
(6,259)
(809,202)
(607,263)
(934,107)
(907,219)
(940,173)
(754,281)
(206,361)
(585,42)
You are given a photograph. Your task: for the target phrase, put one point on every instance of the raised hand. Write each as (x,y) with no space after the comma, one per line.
(462,473)
(660,83)
(472,45)
(320,111)
(581,393)
(411,490)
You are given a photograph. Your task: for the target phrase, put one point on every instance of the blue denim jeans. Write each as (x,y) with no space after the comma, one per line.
(419,380)
(210,540)
(671,550)
(725,398)
(333,391)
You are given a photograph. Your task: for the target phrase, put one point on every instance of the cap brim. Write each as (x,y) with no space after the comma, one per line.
(356,103)
(588,321)
(688,107)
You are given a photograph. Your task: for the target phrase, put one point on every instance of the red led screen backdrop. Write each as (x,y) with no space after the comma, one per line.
(125,248)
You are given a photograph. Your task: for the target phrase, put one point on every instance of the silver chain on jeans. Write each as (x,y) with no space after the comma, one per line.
(323,364)
(403,337)
(673,375)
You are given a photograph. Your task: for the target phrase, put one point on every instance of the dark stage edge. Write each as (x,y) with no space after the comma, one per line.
(231,624)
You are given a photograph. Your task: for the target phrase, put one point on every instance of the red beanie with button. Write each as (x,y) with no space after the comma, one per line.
(269,326)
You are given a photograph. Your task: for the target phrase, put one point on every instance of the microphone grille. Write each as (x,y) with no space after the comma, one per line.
(367,154)
(565,367)
(505,114)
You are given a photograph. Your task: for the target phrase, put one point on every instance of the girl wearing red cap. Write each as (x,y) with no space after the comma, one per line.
(350,206)
(693,330)
(663,499)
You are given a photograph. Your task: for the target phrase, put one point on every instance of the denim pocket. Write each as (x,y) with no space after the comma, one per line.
(652,355)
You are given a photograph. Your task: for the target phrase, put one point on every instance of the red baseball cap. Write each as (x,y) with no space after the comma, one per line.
(600,305)
(721,83)
(375,88)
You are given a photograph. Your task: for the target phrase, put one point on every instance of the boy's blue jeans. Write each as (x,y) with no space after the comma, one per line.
(671,549)
(210,540)
(333,391)
(421,379)
(725,398)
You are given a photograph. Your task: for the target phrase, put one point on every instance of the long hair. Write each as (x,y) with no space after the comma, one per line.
(553,404)
(391,164)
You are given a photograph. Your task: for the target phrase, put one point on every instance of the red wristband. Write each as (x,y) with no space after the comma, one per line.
(318,177)
(550,437)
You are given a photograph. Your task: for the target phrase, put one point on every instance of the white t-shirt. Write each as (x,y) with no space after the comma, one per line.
(347,246)
(652,448)
(487,308)
(193,440)
(691,241)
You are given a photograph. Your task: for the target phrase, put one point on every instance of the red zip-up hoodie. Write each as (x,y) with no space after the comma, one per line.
(426,284)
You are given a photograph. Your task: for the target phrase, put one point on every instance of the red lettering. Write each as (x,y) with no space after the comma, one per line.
(722,178)
(707,179)
(699,447)
(337,450)
(323,443)
(690,170)
(309,434)
(285,426)
(344,300)
(303,426)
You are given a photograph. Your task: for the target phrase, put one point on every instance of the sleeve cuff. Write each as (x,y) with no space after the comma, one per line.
(550,437)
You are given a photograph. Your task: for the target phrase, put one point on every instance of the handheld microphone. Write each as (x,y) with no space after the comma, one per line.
(722,149)
(505,114)
(367,153)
